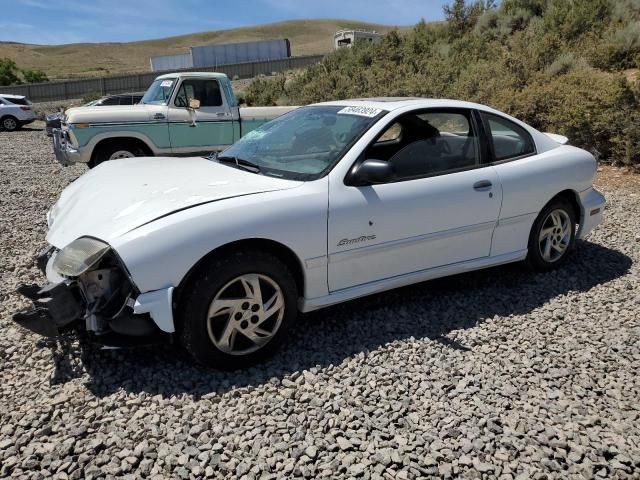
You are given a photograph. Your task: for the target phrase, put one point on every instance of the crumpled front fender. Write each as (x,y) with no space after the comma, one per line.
(158,304)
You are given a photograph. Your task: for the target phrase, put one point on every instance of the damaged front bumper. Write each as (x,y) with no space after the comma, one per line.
(103,300)
(55,307)
(63,149)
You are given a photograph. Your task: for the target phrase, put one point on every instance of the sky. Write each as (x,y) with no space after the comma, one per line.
(74,21)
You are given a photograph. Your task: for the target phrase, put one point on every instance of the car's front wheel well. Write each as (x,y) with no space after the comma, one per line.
(120,142)
(282,252)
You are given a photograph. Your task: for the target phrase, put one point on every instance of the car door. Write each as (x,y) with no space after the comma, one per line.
(523,187)
(440,209)
(126,100)
(207,128)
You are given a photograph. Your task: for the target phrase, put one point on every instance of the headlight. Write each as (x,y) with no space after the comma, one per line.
(79,256)
(50,217)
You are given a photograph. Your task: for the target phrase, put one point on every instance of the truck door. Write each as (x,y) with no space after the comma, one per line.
(205,129)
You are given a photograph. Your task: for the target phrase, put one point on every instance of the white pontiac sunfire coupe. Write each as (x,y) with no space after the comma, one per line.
(324,204)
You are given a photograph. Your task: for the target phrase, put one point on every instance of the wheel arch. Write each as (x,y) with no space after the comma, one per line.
(281,251)
(108,141)
(2,118)
(572,197)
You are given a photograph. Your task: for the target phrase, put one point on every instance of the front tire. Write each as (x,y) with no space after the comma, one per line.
(116,151)
(235,311)
(10,123)
(553,236)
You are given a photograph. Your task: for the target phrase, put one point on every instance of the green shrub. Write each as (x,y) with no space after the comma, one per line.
(8,72)
(263,91)
(563,64)
(594,109)
(34,76)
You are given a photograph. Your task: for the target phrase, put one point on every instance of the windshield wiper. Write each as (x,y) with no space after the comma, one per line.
(239,162)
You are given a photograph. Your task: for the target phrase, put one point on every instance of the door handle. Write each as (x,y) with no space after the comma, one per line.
(221,114)
(482,185)
(159,116)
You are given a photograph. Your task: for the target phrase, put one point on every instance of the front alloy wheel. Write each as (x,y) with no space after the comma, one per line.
(236,308)
(121,154)
(245,314)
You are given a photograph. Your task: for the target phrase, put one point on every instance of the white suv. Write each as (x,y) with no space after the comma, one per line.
(15,112)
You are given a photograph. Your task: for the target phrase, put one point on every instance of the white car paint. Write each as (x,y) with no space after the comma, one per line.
(23,113)
(148,188)
(163,216)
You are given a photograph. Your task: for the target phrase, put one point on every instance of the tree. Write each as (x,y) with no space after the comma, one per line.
(457,16)
(8,72)
(461,17)
(34,76)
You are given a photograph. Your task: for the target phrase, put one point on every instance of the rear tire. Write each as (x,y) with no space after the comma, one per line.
(236,309)
(10,123)
(114,151)
(552,237)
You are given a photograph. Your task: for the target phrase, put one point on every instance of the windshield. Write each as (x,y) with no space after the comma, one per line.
(304,143)
(159,91)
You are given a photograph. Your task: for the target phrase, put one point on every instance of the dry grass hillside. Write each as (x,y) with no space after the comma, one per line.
(97,59)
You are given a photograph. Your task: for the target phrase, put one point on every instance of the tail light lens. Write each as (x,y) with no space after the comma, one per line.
(26,109)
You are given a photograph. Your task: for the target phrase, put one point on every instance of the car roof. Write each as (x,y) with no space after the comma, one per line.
(192,74)
(6,95)
(393,103)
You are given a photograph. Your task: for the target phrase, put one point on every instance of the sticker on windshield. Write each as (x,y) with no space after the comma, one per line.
(166,83)
(362,111)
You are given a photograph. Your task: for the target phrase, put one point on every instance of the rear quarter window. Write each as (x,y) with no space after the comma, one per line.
(509,140)
(16,101)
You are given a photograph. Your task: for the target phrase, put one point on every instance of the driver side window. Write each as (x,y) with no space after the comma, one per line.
(428,143)
(207,91)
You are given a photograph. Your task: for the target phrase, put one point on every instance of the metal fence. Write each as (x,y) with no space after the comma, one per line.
(50,91)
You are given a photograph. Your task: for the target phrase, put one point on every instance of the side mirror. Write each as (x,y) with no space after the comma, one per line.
(371,172)
(194,103)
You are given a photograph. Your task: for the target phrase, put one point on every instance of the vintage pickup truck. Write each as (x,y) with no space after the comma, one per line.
(180,114)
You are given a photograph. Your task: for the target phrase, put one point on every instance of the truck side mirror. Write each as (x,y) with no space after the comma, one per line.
(194,103)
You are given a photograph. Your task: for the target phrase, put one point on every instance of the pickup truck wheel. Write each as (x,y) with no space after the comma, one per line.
(552,236)
(236,310)
(10,123)
(116,151)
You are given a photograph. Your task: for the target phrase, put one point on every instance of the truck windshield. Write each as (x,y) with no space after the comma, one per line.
(305,143)
(159,91)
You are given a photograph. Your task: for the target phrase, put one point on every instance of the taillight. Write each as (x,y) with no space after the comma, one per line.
(26,109)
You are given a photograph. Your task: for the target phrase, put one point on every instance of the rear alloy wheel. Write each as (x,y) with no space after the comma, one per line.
(236,309)
(10,124)
(552,236)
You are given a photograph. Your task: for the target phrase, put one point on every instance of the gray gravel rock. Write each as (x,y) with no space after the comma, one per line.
(494,374)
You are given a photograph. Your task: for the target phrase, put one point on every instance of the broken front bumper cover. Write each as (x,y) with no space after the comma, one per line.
(65,153)
(55,306)
(62,304)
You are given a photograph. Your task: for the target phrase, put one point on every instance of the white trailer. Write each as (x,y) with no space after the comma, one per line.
(347,38)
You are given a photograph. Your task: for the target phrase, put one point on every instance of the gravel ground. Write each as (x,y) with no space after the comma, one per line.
(495,374)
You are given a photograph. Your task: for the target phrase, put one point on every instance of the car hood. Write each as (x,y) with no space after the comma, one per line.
(113,113)
(121,195)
